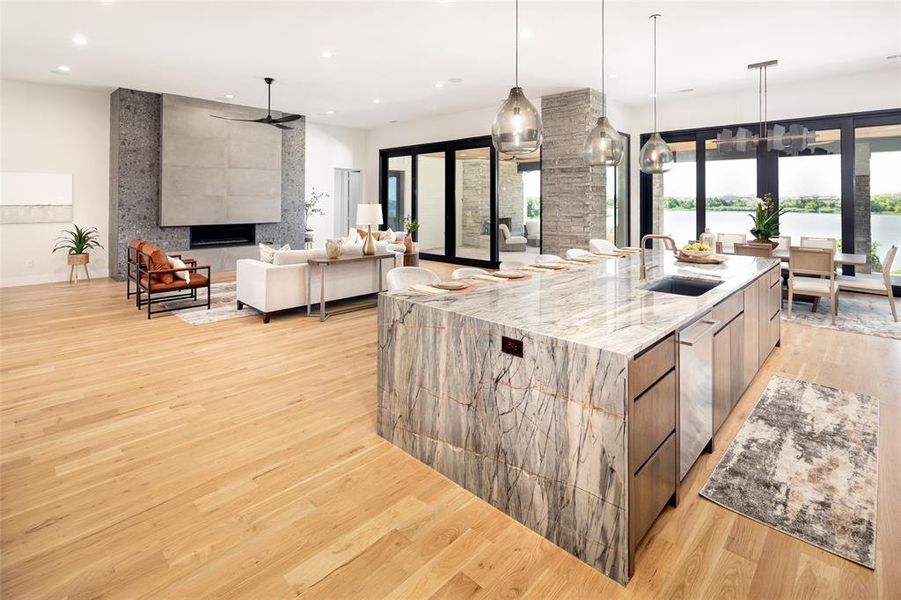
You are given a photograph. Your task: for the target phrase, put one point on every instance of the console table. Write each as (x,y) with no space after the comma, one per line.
(324,262)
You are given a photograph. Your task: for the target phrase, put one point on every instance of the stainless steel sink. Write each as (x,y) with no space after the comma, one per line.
(682,286)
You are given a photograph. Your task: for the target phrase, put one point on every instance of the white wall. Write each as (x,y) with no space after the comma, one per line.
(857,92)
(54,129)
(328,148)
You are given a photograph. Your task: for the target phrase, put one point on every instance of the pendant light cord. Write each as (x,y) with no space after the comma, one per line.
(603,59)
(655,73)
(516,44)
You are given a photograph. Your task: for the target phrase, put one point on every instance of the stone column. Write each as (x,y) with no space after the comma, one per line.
(862,224)
(573,196)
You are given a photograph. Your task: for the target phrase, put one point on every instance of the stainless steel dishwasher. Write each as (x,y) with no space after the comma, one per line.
(695,390)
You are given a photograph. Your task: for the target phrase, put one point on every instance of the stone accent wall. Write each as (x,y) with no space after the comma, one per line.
(573,199)
(135,125)
(511,202)
(657,204)
(476,181)
(863,236)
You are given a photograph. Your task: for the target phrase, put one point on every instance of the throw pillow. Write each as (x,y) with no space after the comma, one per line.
(267,253)
(353,238)
(158,261)
(376,235)
(388,236)
(177,263)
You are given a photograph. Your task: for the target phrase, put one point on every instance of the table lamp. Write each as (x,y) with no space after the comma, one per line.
(369,215)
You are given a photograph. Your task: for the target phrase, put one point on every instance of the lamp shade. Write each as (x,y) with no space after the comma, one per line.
(656,156)
(369,214)
(603,146)
(517,125)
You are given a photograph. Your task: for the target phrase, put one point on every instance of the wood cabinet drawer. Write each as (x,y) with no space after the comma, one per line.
(773,276)
(652,487)
(726,310)
(649,366)
(775,330)
(652,417)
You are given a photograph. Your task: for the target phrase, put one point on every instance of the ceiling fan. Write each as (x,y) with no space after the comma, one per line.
(267,120)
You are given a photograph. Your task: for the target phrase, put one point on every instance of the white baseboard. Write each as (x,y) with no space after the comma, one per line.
(47,278)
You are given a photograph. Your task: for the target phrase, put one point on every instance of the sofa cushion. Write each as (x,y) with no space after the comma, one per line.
(197,280)
(267,253)
(376,235)
(159,261)
(295,257)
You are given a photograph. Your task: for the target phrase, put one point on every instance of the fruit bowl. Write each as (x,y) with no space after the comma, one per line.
(697,250)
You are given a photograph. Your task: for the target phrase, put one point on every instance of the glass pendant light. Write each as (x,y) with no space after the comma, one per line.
(656,155)
(517,126)
(604,145)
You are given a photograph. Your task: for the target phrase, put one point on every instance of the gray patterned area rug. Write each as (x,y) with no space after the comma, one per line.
(223,306)
(866,314)
(805,463)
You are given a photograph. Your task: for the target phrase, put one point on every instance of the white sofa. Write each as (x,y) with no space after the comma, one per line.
(283,283)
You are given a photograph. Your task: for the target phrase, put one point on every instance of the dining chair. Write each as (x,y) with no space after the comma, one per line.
(467,272)
(511,265)
(784,242)
(728,241)
(601,245)
(760,250)
(873,283)
(818,262)
(576,252)
(402,278)
(547,258)
(818,242)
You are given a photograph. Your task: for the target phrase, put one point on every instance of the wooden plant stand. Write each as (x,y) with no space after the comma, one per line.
(76,260)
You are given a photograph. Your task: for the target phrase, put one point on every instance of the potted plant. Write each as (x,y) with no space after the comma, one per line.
(311,206)
(766,220)
(76,242)
(411,226)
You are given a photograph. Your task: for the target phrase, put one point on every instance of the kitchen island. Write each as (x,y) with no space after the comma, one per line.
(557,399)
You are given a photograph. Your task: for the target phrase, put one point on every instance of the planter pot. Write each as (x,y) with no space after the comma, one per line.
(78,259)
(766,241)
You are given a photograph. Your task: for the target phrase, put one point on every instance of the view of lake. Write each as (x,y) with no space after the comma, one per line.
(886,229)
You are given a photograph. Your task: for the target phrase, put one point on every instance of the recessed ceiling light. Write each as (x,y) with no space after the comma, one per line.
(455,80)
(330,112)
(63,69)
(613,75)
(525,34)
(439,84)
(326,54)
(376,100)
(229,96)
(652,95)
(79,40)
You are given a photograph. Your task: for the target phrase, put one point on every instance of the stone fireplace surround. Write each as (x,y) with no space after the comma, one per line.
(135,177)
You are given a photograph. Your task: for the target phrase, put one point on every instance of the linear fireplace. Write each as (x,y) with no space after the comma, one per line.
(218,236)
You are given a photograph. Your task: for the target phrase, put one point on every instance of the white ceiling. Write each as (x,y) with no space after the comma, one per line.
(397,51)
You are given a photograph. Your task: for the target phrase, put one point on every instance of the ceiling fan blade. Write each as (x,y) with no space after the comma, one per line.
(286,119)
(263,120)
(280,126)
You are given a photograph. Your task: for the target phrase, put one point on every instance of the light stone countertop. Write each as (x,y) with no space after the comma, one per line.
(601,305)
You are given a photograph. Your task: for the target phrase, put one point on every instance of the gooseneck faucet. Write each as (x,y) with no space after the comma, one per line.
(669,242)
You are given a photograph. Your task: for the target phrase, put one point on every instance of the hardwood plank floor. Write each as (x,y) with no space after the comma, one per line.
(154,459)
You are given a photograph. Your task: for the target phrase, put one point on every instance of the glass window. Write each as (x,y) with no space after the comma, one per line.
(675,193)
(519,206)
(617,189)
(730,187)
(473,203)
(810,187)
(400,180)
(877,193)
(430,202)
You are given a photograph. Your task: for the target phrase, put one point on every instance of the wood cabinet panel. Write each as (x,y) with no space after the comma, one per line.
(751,333)
(650,366)
(726,310)
(722,376)
(774,298)
(736,360)
(652,417)
(652,487)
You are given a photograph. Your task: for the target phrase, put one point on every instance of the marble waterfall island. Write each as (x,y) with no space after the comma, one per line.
(523,393)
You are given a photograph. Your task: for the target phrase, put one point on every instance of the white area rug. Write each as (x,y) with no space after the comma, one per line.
(858,313)
(223,306)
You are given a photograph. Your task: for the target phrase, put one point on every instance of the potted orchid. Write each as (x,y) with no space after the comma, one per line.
(311,206)
(766,220)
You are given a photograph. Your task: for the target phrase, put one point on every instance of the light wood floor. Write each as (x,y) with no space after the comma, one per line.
(154,459)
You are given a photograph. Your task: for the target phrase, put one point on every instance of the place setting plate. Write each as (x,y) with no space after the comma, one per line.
(511,274)
(452,284)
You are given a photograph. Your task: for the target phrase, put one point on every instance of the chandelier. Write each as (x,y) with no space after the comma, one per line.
(792,140)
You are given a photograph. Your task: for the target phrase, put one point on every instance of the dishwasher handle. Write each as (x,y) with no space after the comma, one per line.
(711,327)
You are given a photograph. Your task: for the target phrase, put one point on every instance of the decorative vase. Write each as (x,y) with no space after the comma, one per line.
(408,244)
(333,248)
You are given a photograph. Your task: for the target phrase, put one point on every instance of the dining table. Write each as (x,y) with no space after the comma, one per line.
(841,258)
